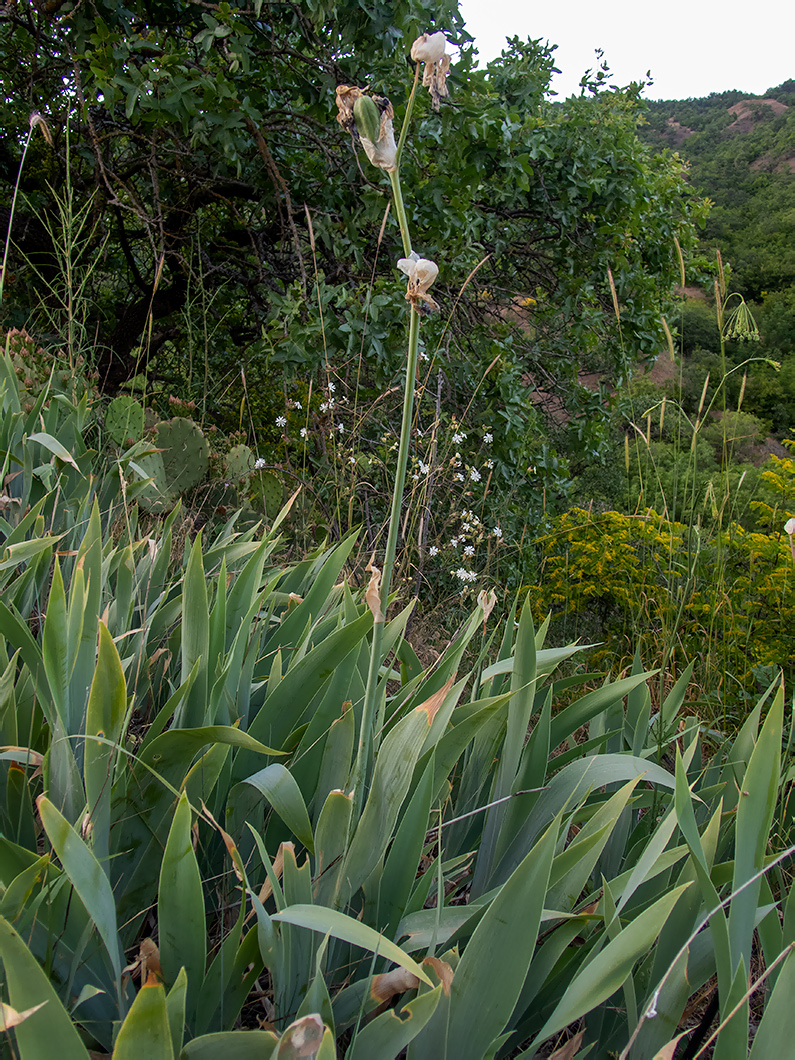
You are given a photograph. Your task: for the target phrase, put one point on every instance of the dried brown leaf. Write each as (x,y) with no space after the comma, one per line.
(302,1038)
(667,1051)
(373,592)
(398,981)
(149,956)
(486,602)
(569,1049)
(229,842)
(9,1017)
(444,972)
(433,703)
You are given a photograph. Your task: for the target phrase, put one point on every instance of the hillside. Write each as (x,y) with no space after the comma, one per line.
(741,153)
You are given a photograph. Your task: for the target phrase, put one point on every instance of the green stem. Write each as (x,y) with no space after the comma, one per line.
(12,210)
(360,778)
(400,211)
(407,116)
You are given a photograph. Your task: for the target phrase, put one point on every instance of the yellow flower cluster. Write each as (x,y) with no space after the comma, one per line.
(728,600)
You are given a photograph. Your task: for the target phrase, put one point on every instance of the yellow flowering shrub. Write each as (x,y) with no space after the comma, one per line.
(728,601)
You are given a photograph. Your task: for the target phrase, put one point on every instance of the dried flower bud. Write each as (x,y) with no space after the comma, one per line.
(421,273)
(36,119)
(429,49)
(369,118)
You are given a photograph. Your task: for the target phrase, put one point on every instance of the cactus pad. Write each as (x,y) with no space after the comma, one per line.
(124,419)
(156,496)
(266,493)
(239,461)
(185,453)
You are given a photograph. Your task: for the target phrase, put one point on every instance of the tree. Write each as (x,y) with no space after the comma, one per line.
(199,140)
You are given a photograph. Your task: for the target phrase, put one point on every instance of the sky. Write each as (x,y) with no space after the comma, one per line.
(691,48)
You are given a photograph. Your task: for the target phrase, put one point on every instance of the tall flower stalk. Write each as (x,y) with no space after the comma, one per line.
(370,118)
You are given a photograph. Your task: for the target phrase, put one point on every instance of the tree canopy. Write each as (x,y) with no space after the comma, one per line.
(217,197)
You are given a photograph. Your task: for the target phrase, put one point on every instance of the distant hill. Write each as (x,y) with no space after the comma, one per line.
(741,154)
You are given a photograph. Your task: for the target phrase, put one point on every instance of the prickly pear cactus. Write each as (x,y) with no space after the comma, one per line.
(36,369)
(185,453)
(124,420)
(239,461)
(266,493)
(156,497)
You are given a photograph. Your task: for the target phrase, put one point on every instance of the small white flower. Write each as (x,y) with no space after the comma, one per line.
(424,468)
(488,438)
(497,531)
(459,477)
(466,527)
(789,527)
(458,437)
(469,550)
(259,463)
(341,428)
(489,464)
(351,459)
(462,574)
(474,474)
(473,576)
(297,405)
(454,542)
(324,407)
(332,387)
(424,356)
(303,432)
(433,551)
(331,403)
(281,421)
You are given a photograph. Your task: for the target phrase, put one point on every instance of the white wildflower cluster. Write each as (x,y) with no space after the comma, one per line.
(465,575)
(459,437)
(423,467)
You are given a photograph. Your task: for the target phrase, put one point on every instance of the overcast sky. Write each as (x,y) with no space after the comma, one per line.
(691,48)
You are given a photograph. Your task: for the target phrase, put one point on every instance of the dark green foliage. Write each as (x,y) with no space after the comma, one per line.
(743,160)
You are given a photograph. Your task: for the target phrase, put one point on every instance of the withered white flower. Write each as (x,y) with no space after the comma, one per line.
(789,527)
(371,119)
(429,49)
(421,273)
